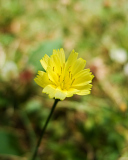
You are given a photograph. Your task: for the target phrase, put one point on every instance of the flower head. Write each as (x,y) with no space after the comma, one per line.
(62,78)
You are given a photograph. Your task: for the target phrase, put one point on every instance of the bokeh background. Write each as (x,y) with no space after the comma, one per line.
(92,127)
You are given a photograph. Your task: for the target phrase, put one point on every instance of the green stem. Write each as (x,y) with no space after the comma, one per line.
(43,130)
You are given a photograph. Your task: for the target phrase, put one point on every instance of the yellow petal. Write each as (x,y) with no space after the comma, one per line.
(84,90)
(61,55)
(52,75)
(60,94)
(67,82)
(50,90)
(42,79)
(78,66)
(81,73)
(55,64)
(54,92)
(57,61)
(82,78)
(71,60)
(71,91)
(44,62)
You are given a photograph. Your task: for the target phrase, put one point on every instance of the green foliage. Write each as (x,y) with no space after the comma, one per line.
(9,143)
(45,48)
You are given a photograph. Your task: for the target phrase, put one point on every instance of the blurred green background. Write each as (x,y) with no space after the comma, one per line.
(92,127)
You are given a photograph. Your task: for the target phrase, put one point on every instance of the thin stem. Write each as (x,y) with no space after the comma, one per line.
(44,128)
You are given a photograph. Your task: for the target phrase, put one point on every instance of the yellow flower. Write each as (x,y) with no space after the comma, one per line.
(62,78)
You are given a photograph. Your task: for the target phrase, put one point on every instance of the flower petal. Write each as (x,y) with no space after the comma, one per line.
(55,64)
(50,90)
(71,91)
(42,79)
(78,66)
(71,60)
(60,94)
(60,54)
(82,78)
(44,61)
(52,75)
(84,90)
(54,92)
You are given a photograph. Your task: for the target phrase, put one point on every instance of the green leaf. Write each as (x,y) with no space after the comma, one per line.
(9,143)
(33,105)
(45,48)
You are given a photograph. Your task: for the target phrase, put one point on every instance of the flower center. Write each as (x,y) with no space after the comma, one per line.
(64,78)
